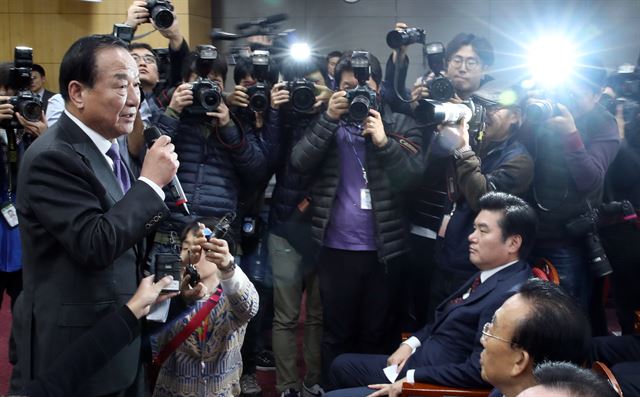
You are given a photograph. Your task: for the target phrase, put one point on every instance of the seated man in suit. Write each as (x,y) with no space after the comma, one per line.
(540,323)
(447,352)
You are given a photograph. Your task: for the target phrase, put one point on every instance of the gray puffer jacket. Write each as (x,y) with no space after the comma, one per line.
(392,169)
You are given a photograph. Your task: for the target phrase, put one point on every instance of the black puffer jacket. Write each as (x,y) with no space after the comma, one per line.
(392,169)
(214,162)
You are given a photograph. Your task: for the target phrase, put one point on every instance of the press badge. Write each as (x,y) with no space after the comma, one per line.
(365,199)
(9,214)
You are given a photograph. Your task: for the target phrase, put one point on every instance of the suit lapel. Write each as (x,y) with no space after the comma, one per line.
(84,146)
(444,309)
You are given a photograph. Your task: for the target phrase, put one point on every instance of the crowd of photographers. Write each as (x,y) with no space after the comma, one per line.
(328,179)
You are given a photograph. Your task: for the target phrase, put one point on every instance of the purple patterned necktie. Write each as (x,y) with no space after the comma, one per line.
(119,168)
(475,284)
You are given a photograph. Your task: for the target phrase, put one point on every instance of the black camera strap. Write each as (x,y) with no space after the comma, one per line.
(10,154)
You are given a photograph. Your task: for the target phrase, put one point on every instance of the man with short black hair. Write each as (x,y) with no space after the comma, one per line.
(561,379)
(332,60)
(540,323)
(38,81)
(447,352)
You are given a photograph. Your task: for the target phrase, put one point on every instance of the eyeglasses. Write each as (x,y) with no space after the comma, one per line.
(148,59)
(485,332)
(470,63)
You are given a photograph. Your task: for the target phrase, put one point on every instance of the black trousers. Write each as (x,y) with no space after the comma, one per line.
(12,283)
(355,293)
(622,355)
(421,270)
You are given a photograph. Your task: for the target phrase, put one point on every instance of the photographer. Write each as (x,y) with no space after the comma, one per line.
(499,162)
(572,151)
(217,158)
(13,143)
(139,14)
(468,59)
(361,171)
(621,237)
(291,250)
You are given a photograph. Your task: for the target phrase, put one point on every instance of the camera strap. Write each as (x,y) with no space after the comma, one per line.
(195,322)
(10,154)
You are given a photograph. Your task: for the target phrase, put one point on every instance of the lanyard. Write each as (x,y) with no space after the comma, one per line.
(355,152)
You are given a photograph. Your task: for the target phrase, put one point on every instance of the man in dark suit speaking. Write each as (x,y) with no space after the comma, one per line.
(447,352)
(82,215)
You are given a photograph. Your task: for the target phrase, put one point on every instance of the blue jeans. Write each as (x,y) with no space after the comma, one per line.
(573,269)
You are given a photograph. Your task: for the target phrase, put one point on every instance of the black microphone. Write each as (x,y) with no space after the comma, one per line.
(271,19)
(151,134)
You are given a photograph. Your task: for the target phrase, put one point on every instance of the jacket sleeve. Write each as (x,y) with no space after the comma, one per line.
(178,59)
(311,149)
(513,176)
(401,157)
(388,91)
(588,164)
(243,298)
(246,153)
(64,194)
(466,373)
(272,142)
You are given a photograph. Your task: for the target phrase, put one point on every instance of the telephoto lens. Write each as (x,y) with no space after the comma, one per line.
(302,95)
(430,112)
(400,37)
(161,12)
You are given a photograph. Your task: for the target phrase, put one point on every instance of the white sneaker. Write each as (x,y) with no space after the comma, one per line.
(313,391)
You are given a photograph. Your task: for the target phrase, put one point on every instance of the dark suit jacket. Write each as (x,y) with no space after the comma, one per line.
(79,251)
(450,350)
(46,95)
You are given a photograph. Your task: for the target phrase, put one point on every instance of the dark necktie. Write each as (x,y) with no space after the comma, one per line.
(119,168)
(474,285)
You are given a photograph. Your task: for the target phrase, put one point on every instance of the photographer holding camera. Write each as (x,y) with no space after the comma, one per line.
(291,250)
(16,134)
(217,158)
(572,150)
(468,58)
(361,166)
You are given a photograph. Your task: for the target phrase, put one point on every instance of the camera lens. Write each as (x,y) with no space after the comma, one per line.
(162,17)
(539,111)
(302,99)
(359,108)
(209,99)
(259,102)
(441,89)
(30,110)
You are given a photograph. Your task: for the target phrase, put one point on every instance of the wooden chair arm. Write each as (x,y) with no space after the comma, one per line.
(428,389)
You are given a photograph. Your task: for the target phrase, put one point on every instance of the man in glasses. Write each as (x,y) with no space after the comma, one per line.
(447,352)
(540,323)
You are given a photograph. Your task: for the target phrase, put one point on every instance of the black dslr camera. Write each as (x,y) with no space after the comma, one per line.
(362,98)
(161,12)
(259,92)
(24,102)
(586,226)
(302,95)
(399,38)
(207,95)
(440,88)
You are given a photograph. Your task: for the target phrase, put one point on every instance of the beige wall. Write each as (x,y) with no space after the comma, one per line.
(50,26)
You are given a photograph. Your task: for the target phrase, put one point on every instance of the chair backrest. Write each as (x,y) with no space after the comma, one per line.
(604,371)
(548,269)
